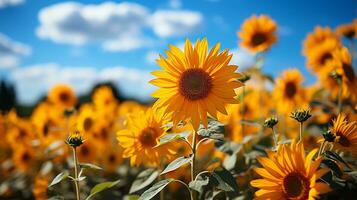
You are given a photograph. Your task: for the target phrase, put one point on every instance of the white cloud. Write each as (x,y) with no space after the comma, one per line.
(6,3)
(242,57)
(151,57)
(11,52)
(126,43)
(78,24)
(32,82)
(116,26)
(167,23)
(175,4)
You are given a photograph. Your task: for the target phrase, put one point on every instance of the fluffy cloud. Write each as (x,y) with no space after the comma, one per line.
(116,26)
(32,82)
(6,3)
(151,57)
(168,23)
(242,57)
(11,52)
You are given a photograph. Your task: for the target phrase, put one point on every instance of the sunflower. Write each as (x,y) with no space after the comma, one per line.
(62,95)
(288,92)
(289,174)
(342,64)
(86,118)
(23,157)
(40,188)
(21,133)
(258,33)
(104,97)
(141,138)
(193,82)
(317,37)
(87,152)
(319,58)
(347,30)
(346,134)
(112,158)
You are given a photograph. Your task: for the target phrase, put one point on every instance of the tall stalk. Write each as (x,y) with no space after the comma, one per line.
(76,182)
(193,164)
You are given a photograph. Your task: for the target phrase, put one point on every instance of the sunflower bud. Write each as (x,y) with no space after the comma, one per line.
(244,78)
(335,75)
(301,115)
(270,122)
(75,139)
(328,136)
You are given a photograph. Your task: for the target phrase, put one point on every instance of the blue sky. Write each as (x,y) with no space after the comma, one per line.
(42,57)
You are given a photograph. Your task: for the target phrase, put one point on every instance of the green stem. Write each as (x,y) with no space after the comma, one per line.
(275,137)
(76,173)
(300,135)
(193,165)
(187,187)
(339,103)
(243,110)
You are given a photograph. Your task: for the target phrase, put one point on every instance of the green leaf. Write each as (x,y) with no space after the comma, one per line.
(155,189)
(241,96)
(250,123)
(333,166)
(60,177)
(131,197)
(199,183)
(102,186)
(178,162)
(228,147)
(173,136)
(89,166)
(334,156)
(215,130)
(226,181)
(144,179)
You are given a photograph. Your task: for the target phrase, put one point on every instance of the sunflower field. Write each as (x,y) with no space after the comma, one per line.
(213,130)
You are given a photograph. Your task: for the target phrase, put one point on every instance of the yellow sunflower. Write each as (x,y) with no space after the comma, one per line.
(258,33)
(347,30)
(23,157)
(103,97)
(342,64)
(317,37)
(87,152)
(193,82)
(319,58)
(289,174)
(86,118)
(346,134)
(112,158)
(141,137)
(62,95)
(288,92)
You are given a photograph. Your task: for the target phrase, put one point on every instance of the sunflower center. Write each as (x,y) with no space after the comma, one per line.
(112,158)
(87,123)
(348,71)
(295,185)
(148,137)
(195,84)
(258,39)
(343,140)
(290,89)
(350,34)
(325,57)
(25,157)
(64,96)
(85,151)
